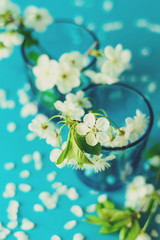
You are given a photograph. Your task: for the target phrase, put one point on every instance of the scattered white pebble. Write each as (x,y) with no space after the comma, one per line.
(24,187)
(72,194)
(51,176)
(9,165)
(37,160)
(78,20)
(12,224)
(112,26)
(11,127)
(157,218)
(27,224)
(77,210)
(62,190)
(30,136)
(107,5)
(55,237)
(154,233)
(27,158)
(38,208)
(91,208)
(12,210)
(145,51)
(48,200)
(21,235)
(70,225)
(152,87)
(10,190)
(78,236)
(24,174)
(29,109)
(56,184)
(102,198)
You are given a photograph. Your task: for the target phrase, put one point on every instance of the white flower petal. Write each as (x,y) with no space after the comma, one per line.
(102,137)
(102,124)
(91,140)
(89,120)
(82,129)
(109,52)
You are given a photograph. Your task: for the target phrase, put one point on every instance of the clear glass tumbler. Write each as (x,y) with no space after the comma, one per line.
(119,101)
(60,37)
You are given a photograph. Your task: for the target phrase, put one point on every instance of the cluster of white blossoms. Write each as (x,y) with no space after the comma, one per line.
(74,105)
(7,42)
(143,236)
(65,73)
(13,24)
(137,194)
(44,130)
(112,63)
(102,131)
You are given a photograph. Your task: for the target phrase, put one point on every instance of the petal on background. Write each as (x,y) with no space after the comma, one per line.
(102,137)
(89,120)
(109,52)
(91,140)
(102,124)
(82,129)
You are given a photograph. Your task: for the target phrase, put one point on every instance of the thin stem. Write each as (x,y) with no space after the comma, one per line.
(147,222)
(58,124)
(56,116)
(59,134)
(90,49)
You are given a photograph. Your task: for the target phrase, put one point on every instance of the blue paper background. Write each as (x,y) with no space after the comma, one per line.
(14,145)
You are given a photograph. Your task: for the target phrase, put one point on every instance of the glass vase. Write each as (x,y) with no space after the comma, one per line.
(119,101)
(62,36)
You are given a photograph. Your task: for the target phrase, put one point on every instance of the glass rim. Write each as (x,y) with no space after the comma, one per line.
(148,130)
(67,21)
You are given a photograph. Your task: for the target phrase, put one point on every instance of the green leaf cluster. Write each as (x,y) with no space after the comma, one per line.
(112,220)
(75,149)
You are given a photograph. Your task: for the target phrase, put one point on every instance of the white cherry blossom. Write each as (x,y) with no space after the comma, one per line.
(11,38)
(143,236)
(44,131)
(79,100)
(68,78)
(136,193)
(136,126)
(9,14)
(101,78)
(117,60)
(73,59)
(93,130)
(70,109)
(45,72)
(37,18)
(101,163)
(155,161)
(5,51)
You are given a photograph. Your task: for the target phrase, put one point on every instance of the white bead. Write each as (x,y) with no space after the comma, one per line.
(12,224)
(11,127)
(24,174)
(38,208)
(9,165)
(24,187)
(55,237)
(69,225)
(78,236)
(77,210)
(27,224)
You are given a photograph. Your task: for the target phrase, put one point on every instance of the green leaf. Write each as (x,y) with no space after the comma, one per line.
(120,215)
(107,228)
(64,153)
(81,142)
(130,233)
(48,98)
(33,56)
(154,150)
(94,220)
(77,152)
